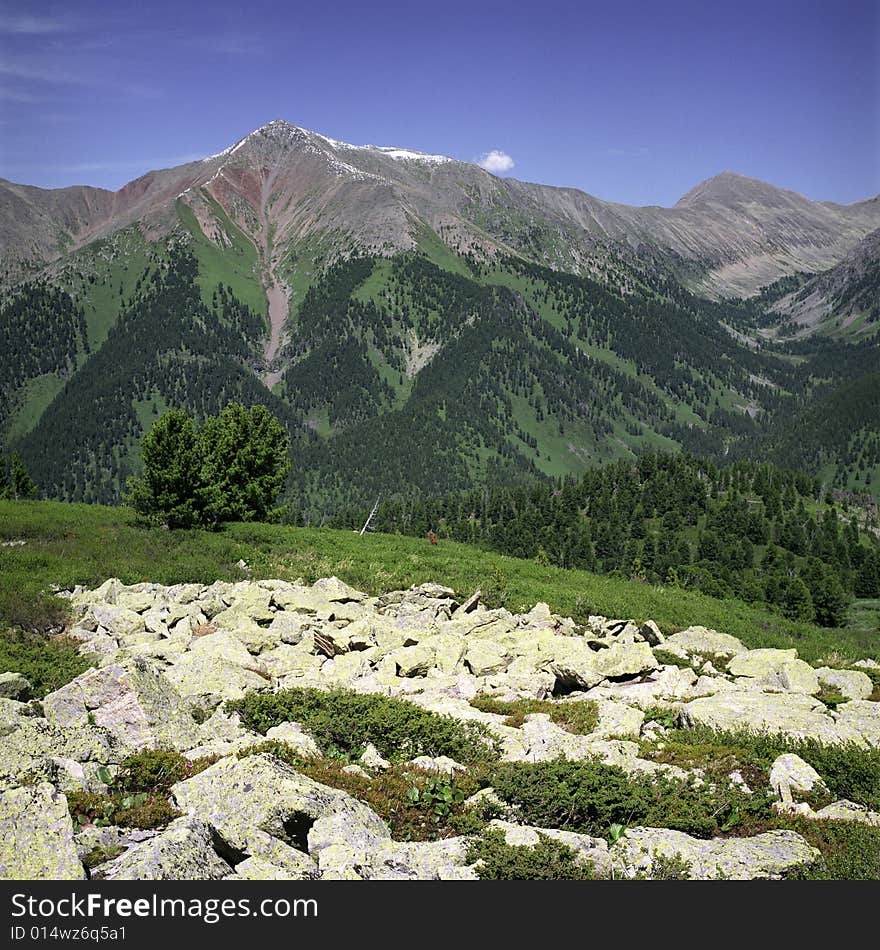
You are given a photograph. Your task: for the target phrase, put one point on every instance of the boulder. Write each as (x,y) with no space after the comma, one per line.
(133,702)
(37,747)
(119,622)
(769,855)
(414,660)
(199,675)
(617,720)
(625,660)
(849,811)
(859,721)
(789,773)
(791,714)
(854,684)
(293,735)
(483,657)
(700,640)
(36,836)
(16,686)
(184,851)
(258,796)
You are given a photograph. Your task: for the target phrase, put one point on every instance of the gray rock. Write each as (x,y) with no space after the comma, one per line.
(244,798)
(134,703)
(184,851)
(14,686)
(854,684)
(791,714)
(700,640)
(768,855)
(36,836)
(790,773)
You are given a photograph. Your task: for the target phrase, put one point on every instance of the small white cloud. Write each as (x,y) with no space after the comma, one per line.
(496,161)
(24,24)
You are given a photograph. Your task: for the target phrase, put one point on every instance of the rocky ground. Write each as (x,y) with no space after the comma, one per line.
(170,659)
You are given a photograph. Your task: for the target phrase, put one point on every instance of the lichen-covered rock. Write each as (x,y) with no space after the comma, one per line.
(618,720)
(259,869)
(258,794)
(184,851)
(15,686)
(133,702)
(755,663)
(859,721)
(849,811)
(293,735)
(36,746)
(36,836)
(12,713)
(700,640)
(791,714)
(388,860)
(789,773)
(774,671)
(854,684)
(484,657)
(769,855)
(118,621)
(201,676)
(413,661)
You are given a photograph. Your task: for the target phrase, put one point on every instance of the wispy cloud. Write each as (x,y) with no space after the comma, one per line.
(18,95)
(496,161)
(23,24)
(126,166)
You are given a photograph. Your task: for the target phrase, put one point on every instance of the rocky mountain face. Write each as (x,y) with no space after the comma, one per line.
(283,186)
(417,323)
(178,669)
(844,298)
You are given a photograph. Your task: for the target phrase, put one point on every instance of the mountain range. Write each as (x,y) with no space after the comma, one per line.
(420,324)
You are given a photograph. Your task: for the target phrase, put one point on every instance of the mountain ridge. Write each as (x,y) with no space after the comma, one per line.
(377,198)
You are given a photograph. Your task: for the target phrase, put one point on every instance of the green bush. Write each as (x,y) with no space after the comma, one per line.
(589,797)
(848,770)
(850,851)
(156,770)
(549,860)
(127,811)
(342,723)
(580,717)
(48,663)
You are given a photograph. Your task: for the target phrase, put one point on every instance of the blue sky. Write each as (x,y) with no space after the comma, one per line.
(632,102)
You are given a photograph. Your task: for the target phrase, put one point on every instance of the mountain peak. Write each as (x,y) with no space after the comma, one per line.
(731,189)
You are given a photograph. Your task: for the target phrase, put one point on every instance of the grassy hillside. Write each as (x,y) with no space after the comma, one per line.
(84,544)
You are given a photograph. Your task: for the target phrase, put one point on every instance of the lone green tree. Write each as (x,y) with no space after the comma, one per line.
(245,460)
(171,486)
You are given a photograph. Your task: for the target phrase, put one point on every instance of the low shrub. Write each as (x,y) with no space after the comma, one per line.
(589,797)
(156,770)
(343,723)
(47,662)
(849,771)
(128,811)
(549,860)
(138,796)
(850,850)
(579,716)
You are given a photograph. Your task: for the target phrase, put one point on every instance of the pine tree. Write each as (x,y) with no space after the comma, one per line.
(23,486)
